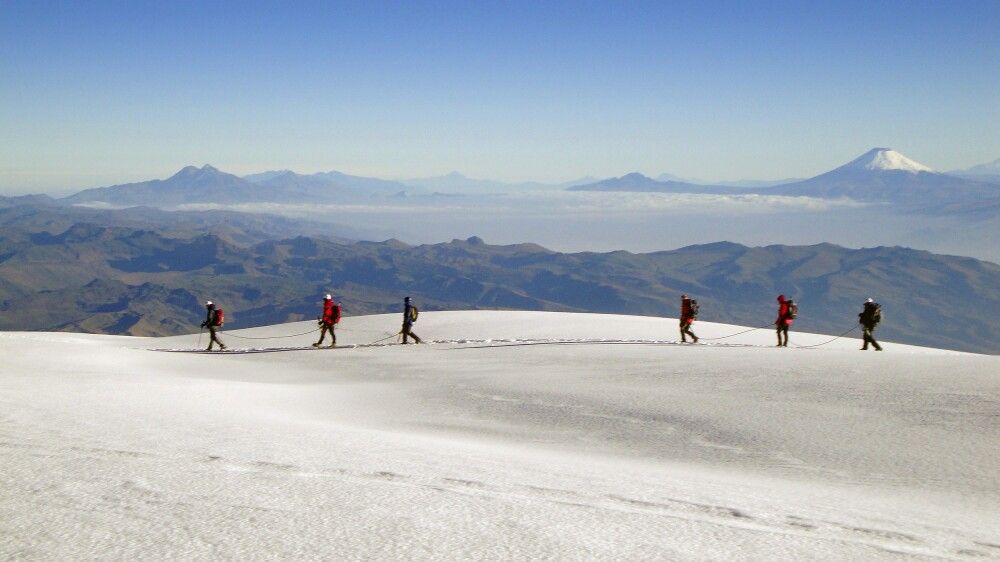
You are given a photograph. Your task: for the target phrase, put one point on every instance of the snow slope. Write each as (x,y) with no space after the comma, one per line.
(497,450)
(886,159)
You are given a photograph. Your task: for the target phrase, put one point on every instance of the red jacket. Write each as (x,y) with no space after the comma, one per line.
(331,312)
(782,312)
(686,315)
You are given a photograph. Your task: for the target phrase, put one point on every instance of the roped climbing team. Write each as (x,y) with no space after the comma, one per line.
(327,322)
(788,311)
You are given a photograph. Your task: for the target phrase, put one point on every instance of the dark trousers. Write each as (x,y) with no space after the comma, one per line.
(322,333)
(868,335)
(782,329)
(686,331)
(214,339)
(408,331)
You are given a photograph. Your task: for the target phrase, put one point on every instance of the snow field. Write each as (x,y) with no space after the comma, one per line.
(456,450)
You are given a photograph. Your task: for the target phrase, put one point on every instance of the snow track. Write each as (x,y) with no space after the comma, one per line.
(459,343)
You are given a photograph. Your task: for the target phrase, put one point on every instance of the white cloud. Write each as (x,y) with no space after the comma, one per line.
(554,203)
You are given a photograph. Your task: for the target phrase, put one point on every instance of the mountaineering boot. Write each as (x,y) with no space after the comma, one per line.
(333,345)
(316,344)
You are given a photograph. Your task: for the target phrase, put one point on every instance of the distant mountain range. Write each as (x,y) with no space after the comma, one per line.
(989,172)
(207,184)
(640,183)
(42,214)
(189,185)
(193,185)
(879,175)
(129,280)
(328,186)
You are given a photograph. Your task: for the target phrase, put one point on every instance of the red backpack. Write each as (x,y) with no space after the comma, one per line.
(336,314)
(220,317)
(793,310)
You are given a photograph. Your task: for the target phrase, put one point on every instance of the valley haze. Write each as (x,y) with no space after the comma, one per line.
(880,198)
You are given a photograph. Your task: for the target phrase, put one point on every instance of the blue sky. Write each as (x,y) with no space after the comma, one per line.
(95,93)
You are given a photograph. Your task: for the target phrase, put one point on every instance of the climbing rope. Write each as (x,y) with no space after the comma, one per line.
(558,342)
(232,335)
(826,342)
(737,333)
(385,338)
(563,342)
(486,344)
(313,331)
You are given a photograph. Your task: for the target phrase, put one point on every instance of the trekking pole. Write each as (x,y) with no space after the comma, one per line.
(201,332)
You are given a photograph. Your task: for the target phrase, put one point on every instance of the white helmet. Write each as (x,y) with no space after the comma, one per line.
(208,303)
(870,300)
(328,297)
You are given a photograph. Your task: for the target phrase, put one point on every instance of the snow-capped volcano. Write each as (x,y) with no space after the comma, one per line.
(884,175)
(885,159)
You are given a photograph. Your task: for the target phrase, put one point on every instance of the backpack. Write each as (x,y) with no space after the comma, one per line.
(413,313)
(694,308)
(872,314)
(336,313)
(793,310)
(220,317)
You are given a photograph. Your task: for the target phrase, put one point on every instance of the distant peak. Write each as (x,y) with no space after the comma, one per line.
(988,168)
(396,244)
(456,175)
(634,176)
(193,170)
(885,159)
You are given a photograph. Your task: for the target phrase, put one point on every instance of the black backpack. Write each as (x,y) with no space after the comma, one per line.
(694,308)
(793,310)
(872,314)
